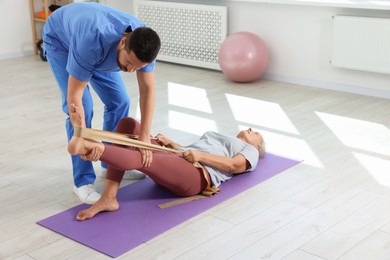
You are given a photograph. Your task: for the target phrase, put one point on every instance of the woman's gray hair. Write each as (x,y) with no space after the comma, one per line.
(261,149)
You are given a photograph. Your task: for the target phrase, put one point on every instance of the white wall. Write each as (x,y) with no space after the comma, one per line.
(300,43)
(299,40)
(124,5)
(15,28)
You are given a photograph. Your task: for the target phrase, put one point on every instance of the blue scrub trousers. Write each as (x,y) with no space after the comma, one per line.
(110,88)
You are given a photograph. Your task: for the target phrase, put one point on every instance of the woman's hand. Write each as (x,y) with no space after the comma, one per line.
(163,140)
(192,156)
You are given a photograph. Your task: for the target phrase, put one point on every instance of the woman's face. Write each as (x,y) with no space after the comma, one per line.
(251,137)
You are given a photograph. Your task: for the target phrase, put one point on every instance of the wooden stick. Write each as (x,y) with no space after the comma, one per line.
(135,137)
(118,138)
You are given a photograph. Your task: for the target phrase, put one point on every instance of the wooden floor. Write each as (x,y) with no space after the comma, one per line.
(334,205)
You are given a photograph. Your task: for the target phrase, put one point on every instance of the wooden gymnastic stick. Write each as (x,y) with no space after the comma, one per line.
(118,138)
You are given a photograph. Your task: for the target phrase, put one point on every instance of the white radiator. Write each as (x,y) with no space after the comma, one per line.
(361,43)
(190,34)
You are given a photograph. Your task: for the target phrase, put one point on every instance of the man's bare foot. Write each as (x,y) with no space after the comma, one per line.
(103,204)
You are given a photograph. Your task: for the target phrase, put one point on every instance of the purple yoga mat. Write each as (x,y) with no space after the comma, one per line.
(139,219)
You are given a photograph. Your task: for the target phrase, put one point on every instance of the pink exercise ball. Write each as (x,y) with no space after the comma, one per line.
(243,57)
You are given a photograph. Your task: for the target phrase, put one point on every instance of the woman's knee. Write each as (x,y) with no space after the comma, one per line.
(128,125)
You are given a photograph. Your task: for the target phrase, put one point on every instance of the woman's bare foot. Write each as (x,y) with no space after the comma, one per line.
(76,144)
(103,204)
(76,117)
(87,149)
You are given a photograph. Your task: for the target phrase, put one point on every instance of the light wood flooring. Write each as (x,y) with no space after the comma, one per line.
(333,205)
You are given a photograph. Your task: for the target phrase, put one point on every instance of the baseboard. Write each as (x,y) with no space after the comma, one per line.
(330,85)
(12,55)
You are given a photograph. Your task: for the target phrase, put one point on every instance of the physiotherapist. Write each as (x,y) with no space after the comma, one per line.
(88,45)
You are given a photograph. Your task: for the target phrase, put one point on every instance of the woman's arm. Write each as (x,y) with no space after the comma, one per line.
(236,165)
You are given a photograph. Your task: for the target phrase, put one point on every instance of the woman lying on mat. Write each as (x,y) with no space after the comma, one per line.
(222,156)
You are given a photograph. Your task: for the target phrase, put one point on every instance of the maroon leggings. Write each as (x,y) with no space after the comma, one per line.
(167,169)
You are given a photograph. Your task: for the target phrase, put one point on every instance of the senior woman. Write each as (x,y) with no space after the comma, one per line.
(221,157)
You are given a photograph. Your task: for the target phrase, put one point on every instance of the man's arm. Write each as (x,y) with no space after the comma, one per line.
(75,94)
(237,164)
(146,85)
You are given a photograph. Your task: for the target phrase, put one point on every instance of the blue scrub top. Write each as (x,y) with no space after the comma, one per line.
(87,34)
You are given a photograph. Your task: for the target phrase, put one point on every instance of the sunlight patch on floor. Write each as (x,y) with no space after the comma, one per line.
(188,97)
(378,168)
(190,124)
(358,134)
(261,113)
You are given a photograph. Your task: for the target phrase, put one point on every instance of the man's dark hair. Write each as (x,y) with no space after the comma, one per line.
(145,43)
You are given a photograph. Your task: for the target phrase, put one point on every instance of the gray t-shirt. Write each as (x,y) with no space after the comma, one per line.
(218,144)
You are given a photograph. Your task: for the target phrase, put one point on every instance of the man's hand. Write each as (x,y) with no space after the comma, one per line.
(94,155)
(147,155)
